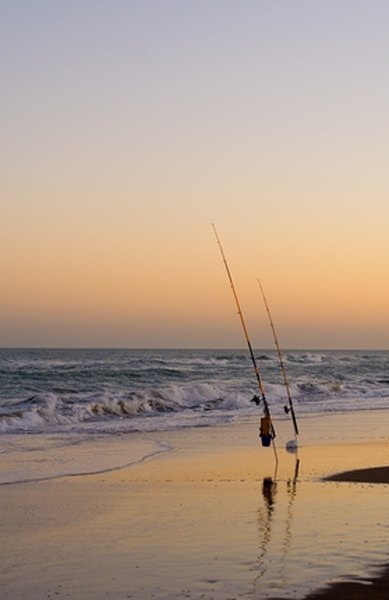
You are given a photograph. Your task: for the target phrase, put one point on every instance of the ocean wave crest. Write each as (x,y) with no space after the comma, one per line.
(52,411)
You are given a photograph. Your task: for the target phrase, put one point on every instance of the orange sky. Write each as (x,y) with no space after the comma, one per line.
(127,132)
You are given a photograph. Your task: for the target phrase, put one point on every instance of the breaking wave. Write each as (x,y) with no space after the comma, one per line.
(124,391)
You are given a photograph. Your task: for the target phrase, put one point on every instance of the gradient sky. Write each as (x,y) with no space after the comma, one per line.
(128,127)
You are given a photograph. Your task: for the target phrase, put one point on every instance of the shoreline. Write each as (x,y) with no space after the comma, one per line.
(197,521)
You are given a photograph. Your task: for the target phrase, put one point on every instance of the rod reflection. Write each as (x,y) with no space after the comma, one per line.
(269,520)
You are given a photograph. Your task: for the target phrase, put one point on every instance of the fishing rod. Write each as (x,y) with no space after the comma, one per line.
(289,408)
(251,352)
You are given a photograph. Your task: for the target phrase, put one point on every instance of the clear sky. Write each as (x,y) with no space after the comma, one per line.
(128,127)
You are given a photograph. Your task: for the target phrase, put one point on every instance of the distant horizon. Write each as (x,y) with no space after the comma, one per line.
(237,348)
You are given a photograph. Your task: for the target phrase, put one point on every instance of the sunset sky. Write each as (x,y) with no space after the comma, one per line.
(128,127)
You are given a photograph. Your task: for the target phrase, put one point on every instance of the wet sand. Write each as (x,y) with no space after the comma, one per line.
(372,475)
(206,515)
(374,588)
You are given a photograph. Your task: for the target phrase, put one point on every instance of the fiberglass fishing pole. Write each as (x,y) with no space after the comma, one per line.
(289,408)
(251,352)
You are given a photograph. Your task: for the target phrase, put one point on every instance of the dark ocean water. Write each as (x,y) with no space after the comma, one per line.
(49,390)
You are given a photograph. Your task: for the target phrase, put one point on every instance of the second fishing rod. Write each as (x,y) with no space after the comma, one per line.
(290,408)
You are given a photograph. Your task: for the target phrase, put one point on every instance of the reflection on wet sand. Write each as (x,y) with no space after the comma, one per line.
(266,518)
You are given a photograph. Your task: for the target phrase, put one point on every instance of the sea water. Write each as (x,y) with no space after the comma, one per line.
(51,398)
(143,390)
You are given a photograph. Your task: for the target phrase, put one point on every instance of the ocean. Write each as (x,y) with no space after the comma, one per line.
(111,391)
(73,403)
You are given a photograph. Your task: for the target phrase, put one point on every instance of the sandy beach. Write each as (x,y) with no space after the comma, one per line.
(205,514)
(373,587)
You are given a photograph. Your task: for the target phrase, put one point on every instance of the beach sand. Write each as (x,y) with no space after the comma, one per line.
(207,515)
(374,587)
